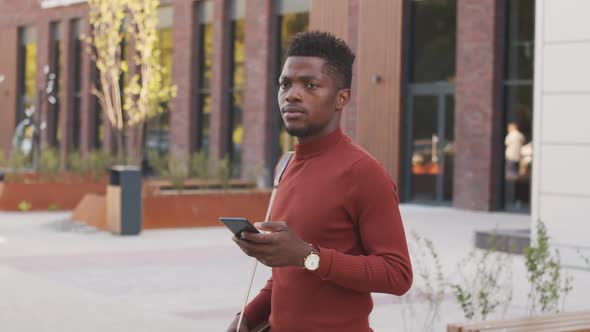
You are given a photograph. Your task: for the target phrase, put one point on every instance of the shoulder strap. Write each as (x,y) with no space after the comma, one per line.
(281,167)
(280,170)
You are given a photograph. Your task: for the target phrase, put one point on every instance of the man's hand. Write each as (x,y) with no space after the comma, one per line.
(281,247)
(233,327)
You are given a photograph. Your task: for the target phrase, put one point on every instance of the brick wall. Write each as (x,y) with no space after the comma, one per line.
(477,108)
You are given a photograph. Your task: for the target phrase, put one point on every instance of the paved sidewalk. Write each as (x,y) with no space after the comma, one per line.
(56,275)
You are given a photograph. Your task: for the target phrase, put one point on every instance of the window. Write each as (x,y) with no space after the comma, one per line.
(237,52)
(53,125)
(518,94)
(292,17)
(27,71)
(78,49)
(205,56)
(158,128)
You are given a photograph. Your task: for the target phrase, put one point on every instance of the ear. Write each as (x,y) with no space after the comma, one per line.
(342,98)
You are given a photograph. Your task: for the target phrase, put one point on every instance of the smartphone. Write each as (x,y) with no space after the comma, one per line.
(238,225)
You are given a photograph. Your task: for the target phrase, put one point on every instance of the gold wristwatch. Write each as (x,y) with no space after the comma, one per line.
(312,261)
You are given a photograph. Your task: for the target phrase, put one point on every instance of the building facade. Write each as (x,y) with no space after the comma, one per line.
(561,190)
(436,83)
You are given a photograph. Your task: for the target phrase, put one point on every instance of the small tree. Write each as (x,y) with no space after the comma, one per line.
(145,92)
(106,19)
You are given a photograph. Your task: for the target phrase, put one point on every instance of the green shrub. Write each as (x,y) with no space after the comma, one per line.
(224,172)
(159,163)
(76,164)
(53,207)
(200,165)
(177,172)
(545,274)
(98,164)
(49,164)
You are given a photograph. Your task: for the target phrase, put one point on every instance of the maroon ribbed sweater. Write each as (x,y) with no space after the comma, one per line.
(335,195)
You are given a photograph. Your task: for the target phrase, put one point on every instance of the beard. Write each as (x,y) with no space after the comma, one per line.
(298,132)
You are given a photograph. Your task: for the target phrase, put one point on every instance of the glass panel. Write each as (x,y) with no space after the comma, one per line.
(291,20)
(158,128)
(27,70)
(519,103)
(520,42)
(425,163)
(433,40)
(54,124)
(448,148)
(205,58)
(518,146)
(78,49)
(237,83)
(290,6)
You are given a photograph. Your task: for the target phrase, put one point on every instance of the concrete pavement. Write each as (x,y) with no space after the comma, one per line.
(57,275)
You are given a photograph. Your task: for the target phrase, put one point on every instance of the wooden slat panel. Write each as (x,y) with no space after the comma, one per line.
(331,16)
(380,105)
(8,88)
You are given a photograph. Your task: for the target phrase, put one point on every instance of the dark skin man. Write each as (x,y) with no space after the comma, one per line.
(311,102)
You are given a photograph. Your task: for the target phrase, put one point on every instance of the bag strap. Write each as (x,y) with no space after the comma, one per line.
(281,167)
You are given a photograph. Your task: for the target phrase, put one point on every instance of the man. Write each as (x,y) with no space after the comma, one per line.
(337,233)
(514,141)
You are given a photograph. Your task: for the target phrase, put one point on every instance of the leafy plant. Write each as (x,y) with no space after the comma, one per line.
(158,163)
(200,165)
(177,172)
(18,161)
(481,294)
(49,164)
(24,206)
(224,172)
(98,164)
(430,284)
(545,275)
(77,165)
(53,207)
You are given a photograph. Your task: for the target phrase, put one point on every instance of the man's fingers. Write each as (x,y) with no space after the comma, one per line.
(272,226)
(259,238)
(253,249)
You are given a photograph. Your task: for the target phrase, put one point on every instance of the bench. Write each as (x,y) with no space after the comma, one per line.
(563,322)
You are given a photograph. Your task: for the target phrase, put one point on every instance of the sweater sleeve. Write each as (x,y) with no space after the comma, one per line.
(385,267)
(258,309)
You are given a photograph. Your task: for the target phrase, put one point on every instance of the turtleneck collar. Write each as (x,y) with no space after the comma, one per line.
(319,145)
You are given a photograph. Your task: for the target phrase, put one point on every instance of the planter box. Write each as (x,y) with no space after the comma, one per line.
(42,196)
(201,209)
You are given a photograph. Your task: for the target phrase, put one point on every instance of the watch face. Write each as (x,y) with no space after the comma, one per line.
(312,262)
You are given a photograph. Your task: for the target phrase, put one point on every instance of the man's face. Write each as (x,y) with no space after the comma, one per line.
(309,99)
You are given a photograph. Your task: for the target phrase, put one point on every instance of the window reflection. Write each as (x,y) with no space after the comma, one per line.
(27,70)
(78,50)
(54,125)
(292,17)
(237,85)
(158,128)
(205,56)
(518,95)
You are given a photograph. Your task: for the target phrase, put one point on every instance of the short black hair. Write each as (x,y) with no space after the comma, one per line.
(338,56)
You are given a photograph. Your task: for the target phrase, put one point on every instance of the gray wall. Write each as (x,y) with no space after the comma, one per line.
(561,166)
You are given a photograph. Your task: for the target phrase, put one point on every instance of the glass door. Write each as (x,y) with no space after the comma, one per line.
(429,170)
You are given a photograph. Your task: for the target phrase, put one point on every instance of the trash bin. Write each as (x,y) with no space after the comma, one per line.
(124,211)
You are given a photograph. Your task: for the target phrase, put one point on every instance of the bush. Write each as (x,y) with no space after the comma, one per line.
(159,163)
(200,165)
(224,172)
(24,206)
(545,274)
(76,164)
(98,164)
(49,164)
(177,172)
